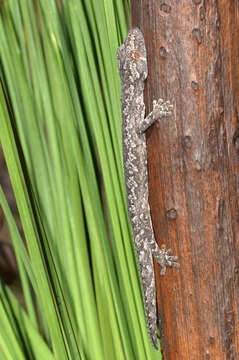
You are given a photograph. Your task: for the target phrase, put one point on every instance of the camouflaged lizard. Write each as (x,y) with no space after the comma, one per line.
(132,65)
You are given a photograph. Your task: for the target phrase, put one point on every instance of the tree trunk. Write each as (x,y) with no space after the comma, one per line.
(193,160)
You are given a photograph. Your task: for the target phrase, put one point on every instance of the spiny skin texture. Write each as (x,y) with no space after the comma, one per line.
(132,64)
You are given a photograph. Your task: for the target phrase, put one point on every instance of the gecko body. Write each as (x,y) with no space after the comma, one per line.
(132,65)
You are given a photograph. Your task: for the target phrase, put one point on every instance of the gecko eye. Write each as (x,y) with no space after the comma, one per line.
(135,54)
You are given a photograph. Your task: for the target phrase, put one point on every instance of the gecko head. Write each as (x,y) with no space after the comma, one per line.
(131,57)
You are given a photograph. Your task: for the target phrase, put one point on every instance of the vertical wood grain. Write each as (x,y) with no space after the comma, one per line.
(193,160)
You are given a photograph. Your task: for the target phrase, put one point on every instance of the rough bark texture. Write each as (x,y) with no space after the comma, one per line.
(193,159)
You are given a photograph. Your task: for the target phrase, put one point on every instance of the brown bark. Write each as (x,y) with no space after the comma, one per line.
(193,55)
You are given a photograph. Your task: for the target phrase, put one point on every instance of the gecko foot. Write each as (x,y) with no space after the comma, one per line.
(161,108)
(164,258)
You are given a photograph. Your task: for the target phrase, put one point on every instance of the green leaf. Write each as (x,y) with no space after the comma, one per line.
(60,121)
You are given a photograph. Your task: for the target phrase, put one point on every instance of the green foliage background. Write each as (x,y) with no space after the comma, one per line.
(60,128)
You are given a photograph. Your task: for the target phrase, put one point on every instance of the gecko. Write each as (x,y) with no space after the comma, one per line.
(132,65)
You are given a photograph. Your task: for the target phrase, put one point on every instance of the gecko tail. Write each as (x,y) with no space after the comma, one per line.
(155,342)
(152,324)
(153,335)
(149,290)
(165,259)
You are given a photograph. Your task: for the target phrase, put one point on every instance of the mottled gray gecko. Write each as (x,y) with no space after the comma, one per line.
(133,71)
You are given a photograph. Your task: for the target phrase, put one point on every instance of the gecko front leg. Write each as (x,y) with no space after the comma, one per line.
(164,257)
(160,109)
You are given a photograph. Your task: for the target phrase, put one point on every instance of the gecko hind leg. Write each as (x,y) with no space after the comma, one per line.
(160,109)
(164,257)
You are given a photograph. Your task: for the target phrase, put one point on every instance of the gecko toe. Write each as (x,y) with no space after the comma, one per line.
(163,247)
(169,252)
(172,258)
